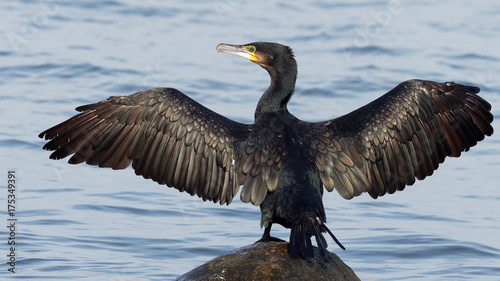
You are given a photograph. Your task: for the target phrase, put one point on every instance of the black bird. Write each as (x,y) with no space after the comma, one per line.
(281,162)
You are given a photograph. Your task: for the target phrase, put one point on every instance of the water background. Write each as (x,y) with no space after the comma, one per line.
(86,223)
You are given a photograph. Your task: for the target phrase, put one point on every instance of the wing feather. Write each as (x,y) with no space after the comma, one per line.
(167,137)
(402,136)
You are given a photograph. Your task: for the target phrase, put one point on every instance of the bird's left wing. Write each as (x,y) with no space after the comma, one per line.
(166,135)
(405,134)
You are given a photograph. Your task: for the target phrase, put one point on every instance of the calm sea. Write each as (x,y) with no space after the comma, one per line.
(86,223)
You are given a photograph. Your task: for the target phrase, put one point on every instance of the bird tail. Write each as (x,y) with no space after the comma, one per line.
(300,241)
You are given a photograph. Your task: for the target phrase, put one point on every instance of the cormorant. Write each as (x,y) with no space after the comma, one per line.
(281,162)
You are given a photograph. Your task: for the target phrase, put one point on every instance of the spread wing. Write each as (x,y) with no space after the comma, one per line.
(403,135)
(166,135)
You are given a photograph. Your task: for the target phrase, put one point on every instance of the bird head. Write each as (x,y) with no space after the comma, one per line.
(279,62)
(266,54)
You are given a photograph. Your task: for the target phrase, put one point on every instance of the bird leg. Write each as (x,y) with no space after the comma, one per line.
(266,237)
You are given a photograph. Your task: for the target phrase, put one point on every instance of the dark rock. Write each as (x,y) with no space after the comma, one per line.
(269,261)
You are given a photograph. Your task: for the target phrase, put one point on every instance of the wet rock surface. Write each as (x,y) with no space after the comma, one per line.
(270,261)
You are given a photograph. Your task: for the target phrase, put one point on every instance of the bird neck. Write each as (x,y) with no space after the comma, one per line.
(276,97)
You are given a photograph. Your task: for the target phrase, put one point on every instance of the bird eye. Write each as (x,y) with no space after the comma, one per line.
(251,49)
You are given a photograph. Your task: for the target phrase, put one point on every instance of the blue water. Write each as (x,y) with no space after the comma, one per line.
(85,223)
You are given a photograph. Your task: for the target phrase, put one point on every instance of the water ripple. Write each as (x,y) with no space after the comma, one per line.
(125,210)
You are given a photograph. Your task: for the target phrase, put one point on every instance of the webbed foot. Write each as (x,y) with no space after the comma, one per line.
(266,237)
(269,239)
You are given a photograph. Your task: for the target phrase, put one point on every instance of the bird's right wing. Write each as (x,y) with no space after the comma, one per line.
(405,134)
(166,135)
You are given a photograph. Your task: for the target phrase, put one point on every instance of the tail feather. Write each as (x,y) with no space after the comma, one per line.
(334,238)
(293,247)
(300,241)
(321,241)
